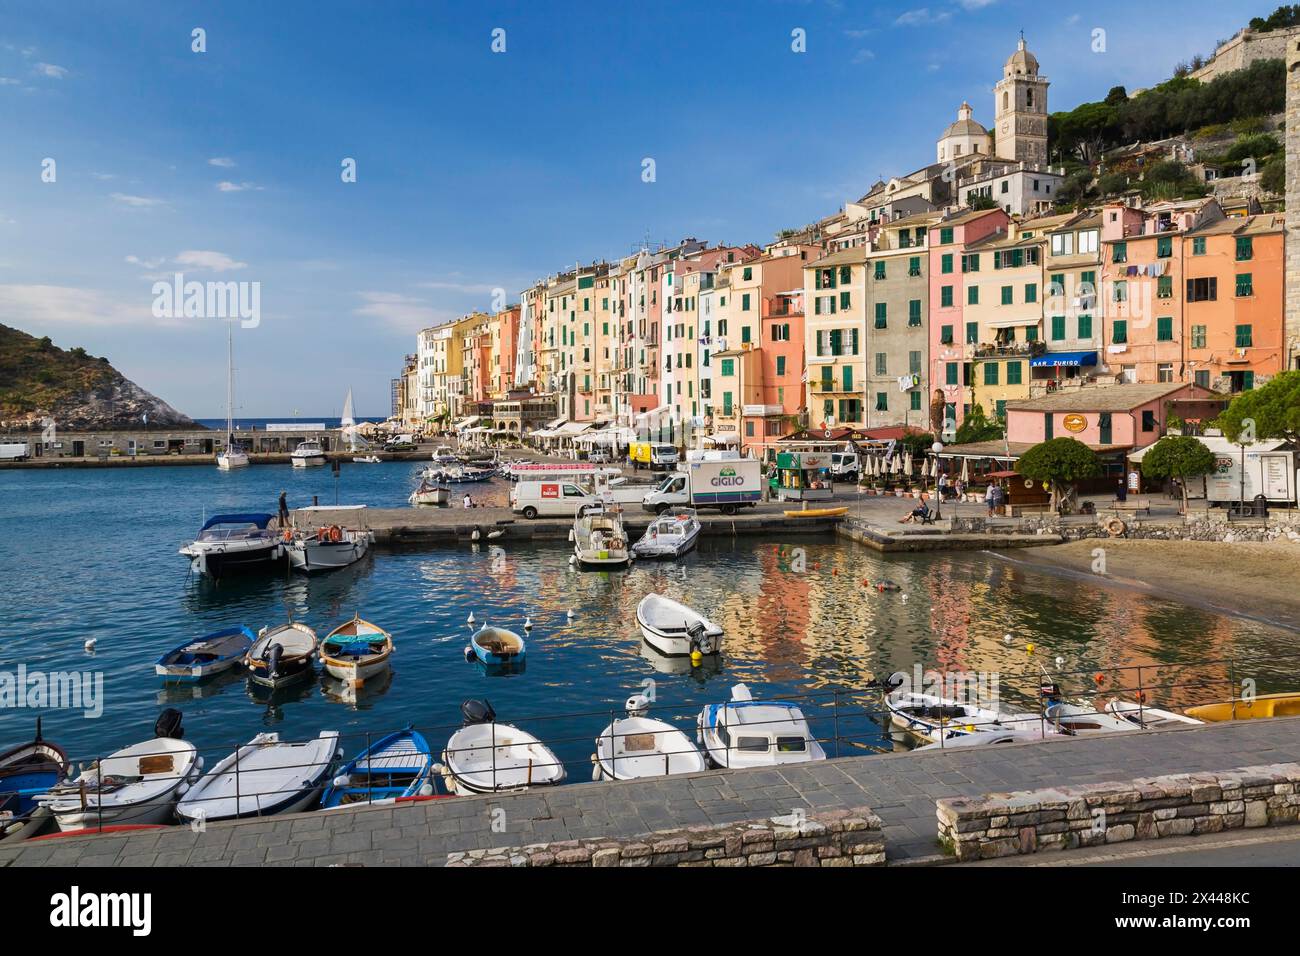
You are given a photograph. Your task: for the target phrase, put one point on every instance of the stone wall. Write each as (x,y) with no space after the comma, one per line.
(1149,808)
(1212,526)
(819,838)
(1291,333)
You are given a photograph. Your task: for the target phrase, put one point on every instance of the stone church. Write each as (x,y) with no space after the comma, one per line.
(1019,131)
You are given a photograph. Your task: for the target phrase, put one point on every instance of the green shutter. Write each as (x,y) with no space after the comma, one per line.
(1013,373)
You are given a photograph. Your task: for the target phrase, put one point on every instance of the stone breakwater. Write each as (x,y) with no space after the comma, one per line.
(841,838)
(1148,808)
(1280,528)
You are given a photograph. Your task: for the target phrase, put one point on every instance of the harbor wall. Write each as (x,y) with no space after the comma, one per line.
(839,838)
(1148,808)
(157,446)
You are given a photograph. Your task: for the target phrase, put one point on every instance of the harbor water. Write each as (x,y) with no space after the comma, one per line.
(92,555)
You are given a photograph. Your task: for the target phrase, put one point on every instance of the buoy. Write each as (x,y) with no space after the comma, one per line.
(90,643)
(1029,648)
(696,658)
(475,535)
(426,790)
(528,623)
(1099,679)
(470,619)
(1006,638)
(570,614)
(1060,661)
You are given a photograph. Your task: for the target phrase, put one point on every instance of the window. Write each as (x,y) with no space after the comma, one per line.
(950,373)
(748,273)
(914,266)
(915,402)
(1063,244)
(1164,287)
(844,300)
(1120,291)
(1085,326)
(1058,328)
(780,365)
(881,320)
(1165,328)
(847,378)
(990,373)
(1202,290)
(1198,245)
(880,269)
(945,236)
(945,335)
(1201,378)
(846,273)
(945,263)
(728,366)
(1245,284)
(1119,331)
(972,333)
(882,401)
(822,279)
(945,297)
(744,302)
(882,363)
(973,295)
(914,363)
(1031,292)
(1149,420)
(1245,248)
(1007,295)
(1013,373)
(1198,336)
(744,334)
(1119,252)
(1244,337)
(1164,247)
(970,263)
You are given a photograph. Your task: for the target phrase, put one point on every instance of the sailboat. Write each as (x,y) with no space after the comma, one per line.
(350,435)
(231,456)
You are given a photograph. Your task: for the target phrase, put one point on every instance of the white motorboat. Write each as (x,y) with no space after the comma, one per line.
(640,746)
(329,547)
(1146,717)
(674,629)
(307,454)
(670,535)
(1081,719)
(135,786)
(932,717)
(281,654)
(232,543)
(231,456)
(367,460)
(750,733)
(356,651)
(262,777)
(599,540)
(443,455)
(984,738)
(487,757)
(430,493)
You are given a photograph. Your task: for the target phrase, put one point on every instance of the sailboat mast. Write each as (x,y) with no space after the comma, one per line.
(230,385)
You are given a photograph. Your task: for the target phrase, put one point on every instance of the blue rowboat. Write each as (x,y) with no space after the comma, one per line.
(195,660)
(395,767)
(497,647)
(28,771)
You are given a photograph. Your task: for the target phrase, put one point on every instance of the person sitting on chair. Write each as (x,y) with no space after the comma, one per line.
(920,513)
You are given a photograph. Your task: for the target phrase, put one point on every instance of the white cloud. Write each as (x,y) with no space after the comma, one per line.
(145,263)
(137,202)
(207,261)
(229,187)
(1073,20)
(9,81)
(858,34)
(976,4)
(51,70)
(922,16)
(864,56)
(104,177)
(225,162)
(402,312)
(34,306)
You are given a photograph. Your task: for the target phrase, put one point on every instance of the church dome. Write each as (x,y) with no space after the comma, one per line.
(1022,62)
(965,126)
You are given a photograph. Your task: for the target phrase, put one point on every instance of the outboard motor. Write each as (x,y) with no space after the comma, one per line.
(273,655)
(700,638)
(636,705)
(477,711)
(895,681)
(169,724)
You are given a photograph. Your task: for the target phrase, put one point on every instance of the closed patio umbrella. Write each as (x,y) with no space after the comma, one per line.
(965,470)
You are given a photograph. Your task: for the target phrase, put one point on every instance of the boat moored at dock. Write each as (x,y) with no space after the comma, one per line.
(329,547)
(26,772)
(356,651)
(745,732)
(235,543)
(281,654)
(1260,707)
(640,746)
(262,777)
(394,767)
(488,757)
(676,630)
(671,535)
(214,654)
(308,454)
(599,539)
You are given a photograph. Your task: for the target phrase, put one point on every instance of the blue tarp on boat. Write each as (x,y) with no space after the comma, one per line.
(260,520)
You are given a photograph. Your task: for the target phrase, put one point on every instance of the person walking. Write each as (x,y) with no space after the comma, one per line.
(991,498)
(284,511)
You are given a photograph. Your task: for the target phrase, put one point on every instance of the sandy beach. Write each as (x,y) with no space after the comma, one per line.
(1256,580)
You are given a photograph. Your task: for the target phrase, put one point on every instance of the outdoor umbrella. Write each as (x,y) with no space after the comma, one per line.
(965,470)
(907,464)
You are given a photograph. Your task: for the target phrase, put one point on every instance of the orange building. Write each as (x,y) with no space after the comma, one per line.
(1233,302)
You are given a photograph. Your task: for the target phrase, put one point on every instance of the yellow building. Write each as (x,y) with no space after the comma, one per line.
(834,340)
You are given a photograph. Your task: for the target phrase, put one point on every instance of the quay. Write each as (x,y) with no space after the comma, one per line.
(903,790)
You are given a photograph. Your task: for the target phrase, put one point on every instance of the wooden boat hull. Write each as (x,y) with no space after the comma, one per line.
(294,664)
(263,777)
(497,647)
(191,662)
(494,758)
(396,767)
(1262,707)
(342,656)
(818,513)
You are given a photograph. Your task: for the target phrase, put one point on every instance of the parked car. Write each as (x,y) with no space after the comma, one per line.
(599,456)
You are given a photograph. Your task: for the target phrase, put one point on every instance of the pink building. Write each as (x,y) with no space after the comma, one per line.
(1108,417)
(951,344)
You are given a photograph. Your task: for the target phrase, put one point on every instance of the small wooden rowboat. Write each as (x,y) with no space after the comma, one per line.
(281,654)
(356,651)
(1265,705)
(818,513)
(497,646)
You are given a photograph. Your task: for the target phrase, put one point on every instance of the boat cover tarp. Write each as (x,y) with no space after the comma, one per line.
(260,520)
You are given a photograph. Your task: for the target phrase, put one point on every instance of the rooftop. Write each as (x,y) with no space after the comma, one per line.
(1104,398)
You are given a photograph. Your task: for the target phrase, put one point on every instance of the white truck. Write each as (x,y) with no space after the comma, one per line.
(14,451)
(726,485)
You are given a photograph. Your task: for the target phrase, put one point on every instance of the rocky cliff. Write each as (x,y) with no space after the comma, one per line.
(80,392)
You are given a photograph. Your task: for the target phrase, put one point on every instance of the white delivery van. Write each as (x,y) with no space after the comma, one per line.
(726,485)
(844,465)
(555,499)
(14,451)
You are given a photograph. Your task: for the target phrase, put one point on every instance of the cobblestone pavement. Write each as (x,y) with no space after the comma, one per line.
(900,788)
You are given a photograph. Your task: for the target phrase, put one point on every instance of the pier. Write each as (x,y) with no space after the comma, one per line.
(902,790)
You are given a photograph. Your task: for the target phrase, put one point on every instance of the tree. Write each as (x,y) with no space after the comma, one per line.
(978,203)
(1178,456)
(1273,177)
(977,427)
(1116,96)
(1273,408)
(1059,463)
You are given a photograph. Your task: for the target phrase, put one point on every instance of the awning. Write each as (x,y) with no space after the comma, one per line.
(572,428)
(722,438)
(1070,359)
(466,422)
(556,423)
(1009,323)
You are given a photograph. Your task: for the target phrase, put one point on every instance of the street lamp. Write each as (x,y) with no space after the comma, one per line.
(938,492)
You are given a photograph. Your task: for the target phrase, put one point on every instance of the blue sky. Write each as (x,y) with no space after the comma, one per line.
(475,169)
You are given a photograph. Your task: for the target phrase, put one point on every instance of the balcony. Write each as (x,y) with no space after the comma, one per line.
(1009,349)
(829,386)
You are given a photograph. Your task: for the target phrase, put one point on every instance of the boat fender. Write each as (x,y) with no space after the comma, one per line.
(1116,527)
(342,780)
